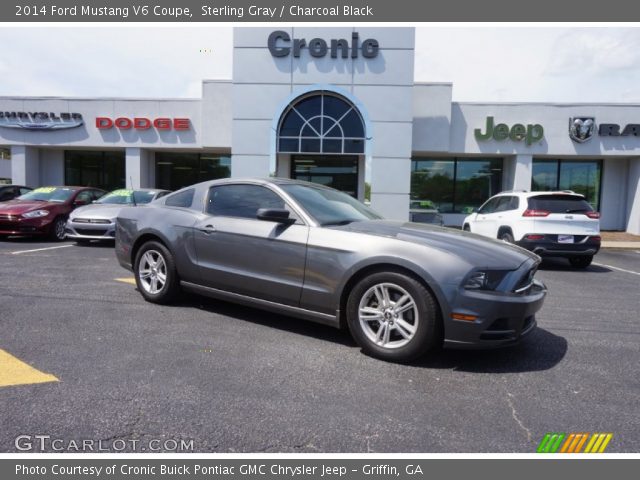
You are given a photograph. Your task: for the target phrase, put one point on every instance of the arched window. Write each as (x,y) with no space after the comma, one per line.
(321,122)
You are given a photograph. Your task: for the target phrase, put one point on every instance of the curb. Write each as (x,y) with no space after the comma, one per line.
(623,245)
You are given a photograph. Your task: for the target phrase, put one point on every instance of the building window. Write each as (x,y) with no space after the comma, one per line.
(581,176)
(321,123)
(105,170)
(5,154)
(454,185)
(175,170)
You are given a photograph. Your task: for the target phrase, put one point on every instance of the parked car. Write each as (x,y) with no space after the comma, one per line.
(550,224)
(309,251)
(424,211)
(44,211)
(9,192)
(98,220)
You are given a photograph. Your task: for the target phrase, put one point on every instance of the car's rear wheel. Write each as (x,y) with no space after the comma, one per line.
(57,232)
(506,237)
(155,272)
(393,317)
(581,262)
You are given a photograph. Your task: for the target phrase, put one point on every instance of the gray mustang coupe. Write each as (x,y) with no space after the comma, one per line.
(312,252)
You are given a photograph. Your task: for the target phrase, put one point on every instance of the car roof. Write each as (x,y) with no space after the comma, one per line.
(257,180)
(526,193)
(5,185)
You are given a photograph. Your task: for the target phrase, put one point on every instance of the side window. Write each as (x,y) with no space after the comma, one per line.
(181,199)
(490,206)
(514,204)
(6,194)
(241,201)
(84,196)
(96,194)
(161,194)
(503,204)
(24,190)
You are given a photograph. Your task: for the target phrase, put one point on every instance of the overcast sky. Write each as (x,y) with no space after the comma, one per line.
(484,63)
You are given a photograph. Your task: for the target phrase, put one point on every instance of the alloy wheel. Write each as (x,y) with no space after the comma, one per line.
(152,272)
(388,315)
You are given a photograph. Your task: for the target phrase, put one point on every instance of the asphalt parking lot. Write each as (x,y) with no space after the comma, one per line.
(234,379)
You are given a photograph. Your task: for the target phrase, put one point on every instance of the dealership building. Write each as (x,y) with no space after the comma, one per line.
(337,106)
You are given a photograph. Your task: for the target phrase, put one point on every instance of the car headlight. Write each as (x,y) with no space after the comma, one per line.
(36,214)
(484,279)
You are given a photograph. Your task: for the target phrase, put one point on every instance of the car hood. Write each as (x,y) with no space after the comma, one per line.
(97,210)
(475,249)
(18,207)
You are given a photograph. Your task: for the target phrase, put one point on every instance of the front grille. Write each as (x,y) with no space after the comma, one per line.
(94,232)
(5,217)
(92,220)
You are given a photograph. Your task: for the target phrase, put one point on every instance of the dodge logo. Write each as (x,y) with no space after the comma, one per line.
(581,129)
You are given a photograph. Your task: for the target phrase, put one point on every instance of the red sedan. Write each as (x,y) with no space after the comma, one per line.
(44,211)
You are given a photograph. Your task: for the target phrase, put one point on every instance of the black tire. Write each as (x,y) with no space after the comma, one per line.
(581,262)
(171,286)
(506,236)
(428,324)
(57,233)
(466,227)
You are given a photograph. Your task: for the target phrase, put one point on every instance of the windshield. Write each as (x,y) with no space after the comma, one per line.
(125,197)
(329,207)
(49,194)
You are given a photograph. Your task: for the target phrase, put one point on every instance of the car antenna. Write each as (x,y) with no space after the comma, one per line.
(133,192)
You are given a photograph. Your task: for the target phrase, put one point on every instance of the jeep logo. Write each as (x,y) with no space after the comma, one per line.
(530,133)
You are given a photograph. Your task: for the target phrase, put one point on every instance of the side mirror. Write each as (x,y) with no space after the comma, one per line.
(279,215)
(80,203)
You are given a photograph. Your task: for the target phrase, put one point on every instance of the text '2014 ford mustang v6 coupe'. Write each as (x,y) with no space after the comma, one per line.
(312,252)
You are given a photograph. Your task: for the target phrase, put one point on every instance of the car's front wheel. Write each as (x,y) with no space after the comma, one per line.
(155,272)
(393,317)
(57,232)
(581,262)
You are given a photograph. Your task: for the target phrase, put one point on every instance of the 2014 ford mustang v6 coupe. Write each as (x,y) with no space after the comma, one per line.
(312,252)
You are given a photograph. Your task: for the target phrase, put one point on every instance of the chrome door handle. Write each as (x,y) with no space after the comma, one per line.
(208,229)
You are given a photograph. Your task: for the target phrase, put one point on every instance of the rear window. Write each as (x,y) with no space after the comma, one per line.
(181,199)
(560,204)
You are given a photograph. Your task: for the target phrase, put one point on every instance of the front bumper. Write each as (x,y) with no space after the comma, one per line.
(495,318)
(18,225)
(90,230)
(549,246)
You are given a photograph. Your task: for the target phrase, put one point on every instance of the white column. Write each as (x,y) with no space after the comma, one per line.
(390,186)
(522,173)
(25,166)
(137,168)
(633,199)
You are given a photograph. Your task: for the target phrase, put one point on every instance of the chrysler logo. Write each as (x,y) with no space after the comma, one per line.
(40,120)
(581,129)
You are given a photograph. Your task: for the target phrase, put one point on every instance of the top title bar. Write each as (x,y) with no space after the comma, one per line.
(318,11)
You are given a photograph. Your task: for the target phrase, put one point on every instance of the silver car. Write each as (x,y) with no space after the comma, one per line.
(309,251)
(97,221)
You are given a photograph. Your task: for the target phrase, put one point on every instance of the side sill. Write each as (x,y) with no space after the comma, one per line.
(310,315)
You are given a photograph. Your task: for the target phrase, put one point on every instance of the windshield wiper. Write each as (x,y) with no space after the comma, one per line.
(338,223)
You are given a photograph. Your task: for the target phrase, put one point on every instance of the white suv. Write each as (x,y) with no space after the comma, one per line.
(552,224)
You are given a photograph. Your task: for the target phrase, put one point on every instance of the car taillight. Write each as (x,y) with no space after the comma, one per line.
(535,213)
(595,238)
(535,237)
(593,214)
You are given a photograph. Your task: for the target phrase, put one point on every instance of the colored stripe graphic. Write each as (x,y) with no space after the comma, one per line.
(552,442)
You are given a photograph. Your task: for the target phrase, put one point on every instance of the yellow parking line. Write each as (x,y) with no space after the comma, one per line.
(129,280)
(15,372)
